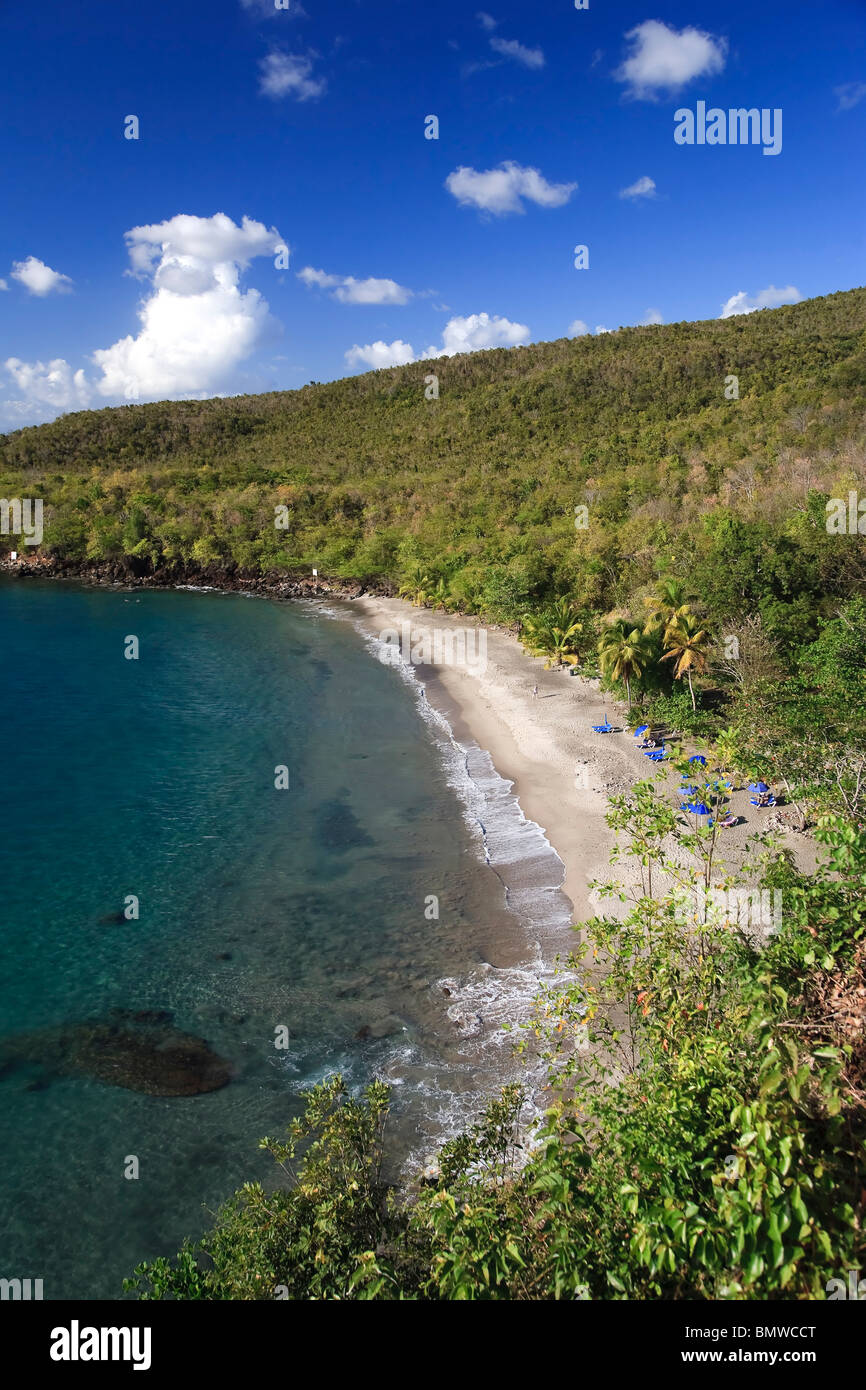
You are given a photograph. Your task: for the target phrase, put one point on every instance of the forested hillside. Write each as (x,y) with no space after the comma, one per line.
(478,488)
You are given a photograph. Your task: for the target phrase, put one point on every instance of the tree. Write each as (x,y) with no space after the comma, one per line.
(624,652)
(666,604)
(417,586)
(553,633)
(687,644)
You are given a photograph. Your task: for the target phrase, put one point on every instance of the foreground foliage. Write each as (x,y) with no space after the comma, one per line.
(705,1137)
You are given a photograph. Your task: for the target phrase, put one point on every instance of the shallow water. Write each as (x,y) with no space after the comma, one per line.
(307,908)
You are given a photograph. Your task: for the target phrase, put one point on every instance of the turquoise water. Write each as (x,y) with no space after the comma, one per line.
(259,908)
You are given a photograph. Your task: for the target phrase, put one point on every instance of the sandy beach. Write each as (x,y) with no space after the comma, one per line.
(563,772)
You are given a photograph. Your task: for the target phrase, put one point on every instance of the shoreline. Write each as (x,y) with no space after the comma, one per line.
(561,772)
(541,746)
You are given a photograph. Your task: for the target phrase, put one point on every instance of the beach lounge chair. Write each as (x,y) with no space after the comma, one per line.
(602,728)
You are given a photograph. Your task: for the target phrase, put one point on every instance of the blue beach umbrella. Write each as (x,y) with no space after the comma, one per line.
(641,729)
(698,758)
(698,808)
(758,787)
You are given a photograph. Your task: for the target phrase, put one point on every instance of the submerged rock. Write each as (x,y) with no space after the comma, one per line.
(138,1051)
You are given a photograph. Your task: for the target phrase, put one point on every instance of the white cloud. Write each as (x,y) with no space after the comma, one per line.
(577,328)
(643,188)
(510,48)
(289,74)
(664,59)
(52,384)
(476,332)
(39,278)
(3,285)
(486,20)
(651,316)
(600,328)
(197,325)
(850,94)
(470,334)
(501,190)
(769,298)
(379,354)
(348,290)
(198,243)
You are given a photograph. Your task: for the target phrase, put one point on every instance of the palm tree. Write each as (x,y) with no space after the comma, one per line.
(440,596)
(416,585)
(666,604)
(687,643)
(624,651)
(553,633)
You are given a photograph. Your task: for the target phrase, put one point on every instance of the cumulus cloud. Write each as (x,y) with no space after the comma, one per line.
(643,188)
(651,316)
(850,94)
(39,278)
(470,334)
(348,290)
(770,298)
(510,48)
(53,384)
(486,20)
(577,328)
(379,354)
(502,190)
(600,328)
(196,325)
(662,59)
(476,332)
(289,74)
(3,285)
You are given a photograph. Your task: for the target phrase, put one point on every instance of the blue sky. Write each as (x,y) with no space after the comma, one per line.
(128,270)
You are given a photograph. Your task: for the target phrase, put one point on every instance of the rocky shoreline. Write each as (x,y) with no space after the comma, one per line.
(133,573)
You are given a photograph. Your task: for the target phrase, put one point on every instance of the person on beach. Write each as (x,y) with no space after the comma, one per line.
(535,692)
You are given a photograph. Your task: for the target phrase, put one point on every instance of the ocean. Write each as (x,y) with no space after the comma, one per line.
(254,832)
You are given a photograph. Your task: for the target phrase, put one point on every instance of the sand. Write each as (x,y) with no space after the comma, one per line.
(562,771)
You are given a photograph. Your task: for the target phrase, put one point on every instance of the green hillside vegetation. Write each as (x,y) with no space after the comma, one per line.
(479,487)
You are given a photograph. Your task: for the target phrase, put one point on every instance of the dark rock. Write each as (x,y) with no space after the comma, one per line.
(125,1049)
